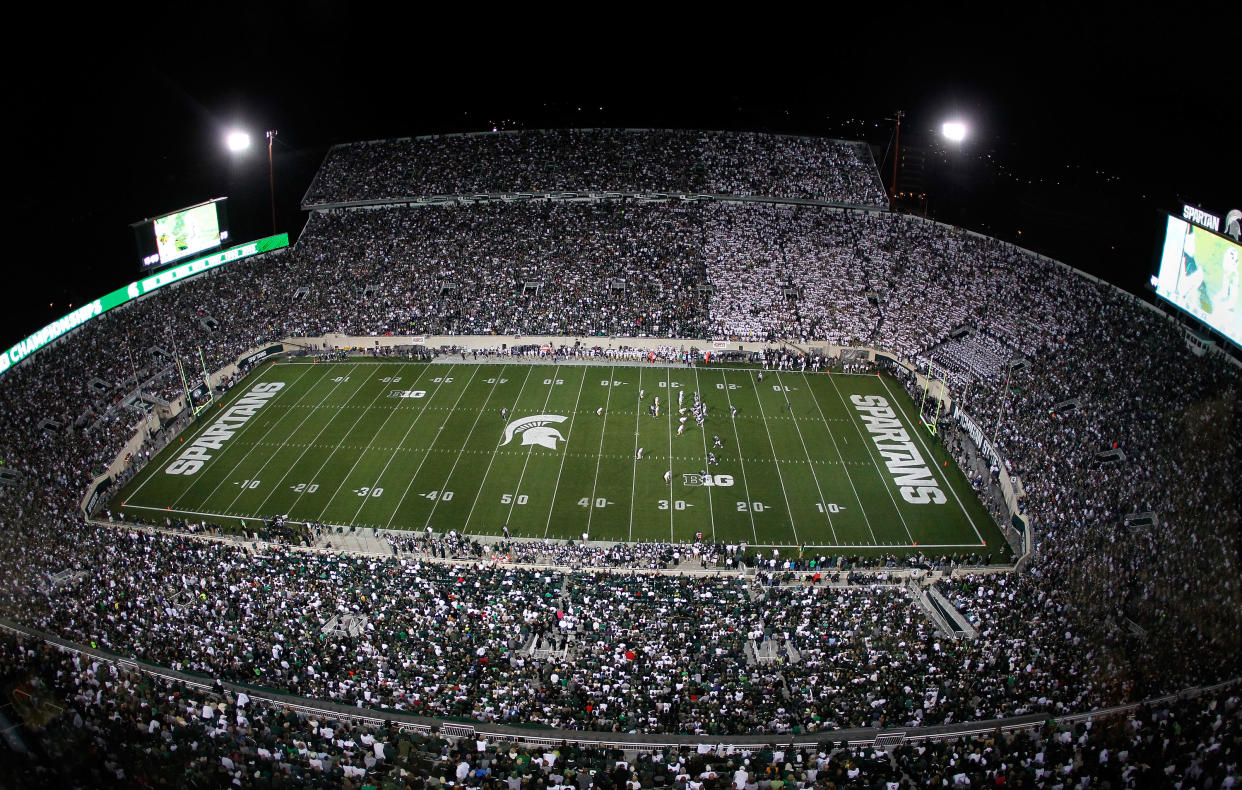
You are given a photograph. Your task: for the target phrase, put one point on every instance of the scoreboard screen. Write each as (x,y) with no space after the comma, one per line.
(181,234)
(1199,273)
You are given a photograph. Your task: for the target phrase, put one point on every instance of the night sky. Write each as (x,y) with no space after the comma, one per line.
(1085,124)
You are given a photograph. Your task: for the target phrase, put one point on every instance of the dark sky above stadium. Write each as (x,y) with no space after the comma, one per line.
(1085,123)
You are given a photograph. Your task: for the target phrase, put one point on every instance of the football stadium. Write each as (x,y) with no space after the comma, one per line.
(603,458)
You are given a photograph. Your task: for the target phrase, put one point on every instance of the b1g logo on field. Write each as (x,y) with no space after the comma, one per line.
(534,430)
(691,479)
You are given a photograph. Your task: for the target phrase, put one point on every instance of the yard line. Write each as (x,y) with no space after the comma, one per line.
(246,425)
(328,371)
(478,415)
(397,449)
(711,513)
(737,442)
(638,415)
(884,482)
(435,438)
(777,463)
(932,463)
(565,454)
(755,545)
(378,431)
(850,478)
(668,377)
(600,452)
(492,460)
(416,417)
(517,490)
(289,469)
(810,463)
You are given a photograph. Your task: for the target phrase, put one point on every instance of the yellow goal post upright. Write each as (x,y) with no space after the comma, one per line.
(185,386)
(934,422)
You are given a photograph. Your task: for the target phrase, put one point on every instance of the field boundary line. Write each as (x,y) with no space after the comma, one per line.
(607,567)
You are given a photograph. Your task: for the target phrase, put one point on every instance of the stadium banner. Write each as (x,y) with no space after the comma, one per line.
(96,493)
(1011,487)
(134,290)
(976,435)
(262,353)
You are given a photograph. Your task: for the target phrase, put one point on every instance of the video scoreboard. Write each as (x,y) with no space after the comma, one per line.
(181,234)
(1198,270)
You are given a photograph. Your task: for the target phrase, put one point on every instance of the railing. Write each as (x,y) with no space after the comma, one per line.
(631,742)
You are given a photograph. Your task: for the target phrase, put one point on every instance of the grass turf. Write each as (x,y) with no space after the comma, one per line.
(401,445)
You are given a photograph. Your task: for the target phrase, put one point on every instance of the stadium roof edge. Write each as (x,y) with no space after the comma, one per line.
(307,206)
(583,195)
(543,130)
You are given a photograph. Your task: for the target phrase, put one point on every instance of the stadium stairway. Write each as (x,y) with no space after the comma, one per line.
(943,614)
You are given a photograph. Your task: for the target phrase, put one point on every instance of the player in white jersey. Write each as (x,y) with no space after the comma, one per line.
(1190,284)
(1229,279)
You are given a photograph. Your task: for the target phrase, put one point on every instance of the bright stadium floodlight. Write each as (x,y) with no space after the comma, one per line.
(954,130)
(237,141)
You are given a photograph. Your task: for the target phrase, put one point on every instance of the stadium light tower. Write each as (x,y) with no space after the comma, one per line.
(271,178)
(954,130)
(238,141)
(892,185)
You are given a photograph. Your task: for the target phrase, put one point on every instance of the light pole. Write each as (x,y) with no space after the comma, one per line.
(240,141)
(892,199)
(271,178)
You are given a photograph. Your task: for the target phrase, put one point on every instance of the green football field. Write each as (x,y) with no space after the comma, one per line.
(833,461)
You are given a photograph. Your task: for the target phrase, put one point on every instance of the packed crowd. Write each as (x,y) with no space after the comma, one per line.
(613,160)
(1106,612)
(505,269)
(647,652)
(84,722)
(753,272)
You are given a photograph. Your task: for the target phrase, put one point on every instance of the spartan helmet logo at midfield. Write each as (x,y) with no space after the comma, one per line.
(533,430)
